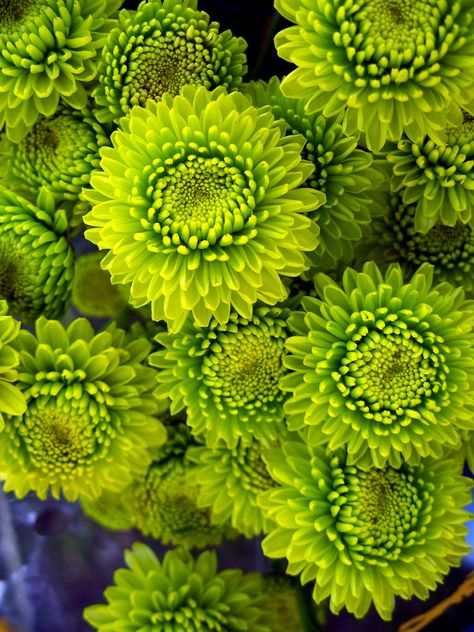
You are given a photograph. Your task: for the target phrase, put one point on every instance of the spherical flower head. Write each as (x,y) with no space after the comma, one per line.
(382,367)
(12,400)
(437,177)
(59,152)
(36,258)
(180,593)
(111,510)
(227,376)
(198,206)
(392,66)
(230,481)
(450,249)
(161,47)
(89,424)
(49,49)
(342,171)
(363,535)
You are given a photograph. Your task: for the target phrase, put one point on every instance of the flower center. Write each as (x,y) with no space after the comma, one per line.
(16,277)
(399,22)
(14,13)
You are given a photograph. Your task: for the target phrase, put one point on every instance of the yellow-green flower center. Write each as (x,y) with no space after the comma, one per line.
(13,14)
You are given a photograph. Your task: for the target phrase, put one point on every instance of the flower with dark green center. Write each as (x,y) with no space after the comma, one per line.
(111,510)
(437,177)
(12,400)
(227,376)
(450,249)
(199,208)
(161,47)
(230,481)
(382,367)
(36,258)
(49,49)
(391,66)
(342,171)
(59,152)
(180,594)
(362,535)
(89,424)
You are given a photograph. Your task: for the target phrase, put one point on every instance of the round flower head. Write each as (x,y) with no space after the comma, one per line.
(12,400)
(180,593)
(89,421)
(227,376)
(161,47)
(450,249)
(382,367)
(343,172)
(49,49)
(438,177)
(391,65)
(111,510)
(365,536)
(198,206)
(36,259)
(230,481)
(59,152)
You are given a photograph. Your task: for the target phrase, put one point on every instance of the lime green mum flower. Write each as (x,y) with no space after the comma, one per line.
(365,536)
(342,171)
(382,367)
(110,509)
(161,47)
(89,422)
(438,177)
(198,206)
(227,376)
(180,593)
(49,49)
(12,400)
(392,66)
(230,481)
(450,249)
(36,259)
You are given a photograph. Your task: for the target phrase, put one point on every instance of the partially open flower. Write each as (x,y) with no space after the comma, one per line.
(199,207)
(12,400)
(365,536)
(382,367)
(36,259)
(89,422)
(180,593)
(161,47)
(393,66)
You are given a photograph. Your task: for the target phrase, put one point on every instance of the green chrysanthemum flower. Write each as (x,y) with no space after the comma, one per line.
(227,376)
(382,367)
(93,293)
(362,535)
(111,510)
(36,259)
(180,594)
(89,422)
(59,152)
(230,481)
(393,66)
(199,208)
(344,173)
(49,49)
(12,400)
(438,177)
(161,47)
(450,249)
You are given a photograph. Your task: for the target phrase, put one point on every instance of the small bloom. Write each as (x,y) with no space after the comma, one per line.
(110,510)
(12,400)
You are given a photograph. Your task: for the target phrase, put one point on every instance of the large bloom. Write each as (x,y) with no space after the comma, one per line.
(392,65)
(198,205)
(161,47)
(342,171)
(49,49)
(89,422)
(12,400)
(180,593)
(438,177)
(365,535)
(382,367)
(227,376)
(36,259)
